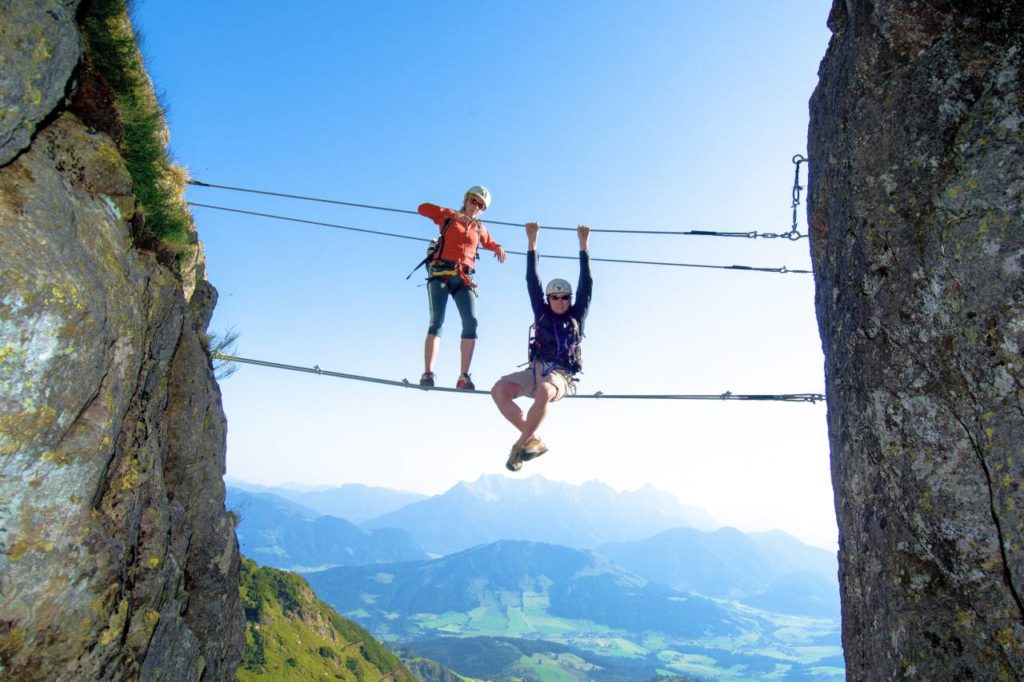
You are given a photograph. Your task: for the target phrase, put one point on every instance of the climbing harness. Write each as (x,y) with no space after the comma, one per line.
(547,369)
(443,269)
(446,269)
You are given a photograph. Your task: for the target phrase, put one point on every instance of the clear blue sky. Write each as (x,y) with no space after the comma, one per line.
(665,114)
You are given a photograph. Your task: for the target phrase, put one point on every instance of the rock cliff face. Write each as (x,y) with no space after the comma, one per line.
(117,559)
(917,235)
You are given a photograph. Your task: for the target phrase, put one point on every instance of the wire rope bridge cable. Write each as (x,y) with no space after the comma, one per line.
(793,235)
(405,383)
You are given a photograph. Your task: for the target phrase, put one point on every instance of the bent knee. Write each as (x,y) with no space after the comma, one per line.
(545,392)
(504,390)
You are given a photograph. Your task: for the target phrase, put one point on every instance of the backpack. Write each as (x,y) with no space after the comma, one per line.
(551,345)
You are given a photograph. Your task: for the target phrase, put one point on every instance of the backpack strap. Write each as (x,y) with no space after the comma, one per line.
(569,346)
(434,250)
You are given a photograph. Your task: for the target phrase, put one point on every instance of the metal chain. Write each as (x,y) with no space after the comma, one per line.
(794,234)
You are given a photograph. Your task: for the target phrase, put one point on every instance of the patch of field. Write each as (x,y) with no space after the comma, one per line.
(452,622)
(518,625)
(778,648)
(607,644)
(535,601)
(557,668)
(488,622)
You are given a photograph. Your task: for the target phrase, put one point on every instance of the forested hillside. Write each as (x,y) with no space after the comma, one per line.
(292,635)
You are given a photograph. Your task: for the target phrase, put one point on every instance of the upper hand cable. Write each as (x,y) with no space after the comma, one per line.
(780,270)
(693,233)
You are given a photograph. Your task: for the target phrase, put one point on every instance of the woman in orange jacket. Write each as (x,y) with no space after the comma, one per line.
(450,271)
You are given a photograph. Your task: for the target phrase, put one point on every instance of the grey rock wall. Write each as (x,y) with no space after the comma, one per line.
(117,558)
(916,209)
(39,48)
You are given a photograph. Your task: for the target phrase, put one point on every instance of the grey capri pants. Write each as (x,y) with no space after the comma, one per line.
(438,290)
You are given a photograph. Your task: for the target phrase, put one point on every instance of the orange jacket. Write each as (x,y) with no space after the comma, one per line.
(460,242)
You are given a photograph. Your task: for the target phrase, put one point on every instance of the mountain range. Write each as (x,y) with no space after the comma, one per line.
(772,569)
(610,575)
(353,501)
(494,508)
(506,578)
(276,532)
(769,570)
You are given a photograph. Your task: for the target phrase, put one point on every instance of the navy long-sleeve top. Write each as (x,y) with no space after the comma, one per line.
(555,330)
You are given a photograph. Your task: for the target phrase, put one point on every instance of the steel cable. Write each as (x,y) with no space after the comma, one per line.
(779,270)
(405,383)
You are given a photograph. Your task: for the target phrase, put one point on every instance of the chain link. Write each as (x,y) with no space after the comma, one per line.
(794,234)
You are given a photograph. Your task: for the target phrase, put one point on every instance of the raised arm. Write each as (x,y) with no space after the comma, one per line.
(531,236)
(533,285)
(585,287)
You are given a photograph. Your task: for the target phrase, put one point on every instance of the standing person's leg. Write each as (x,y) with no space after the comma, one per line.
(466,348)
(437,299)
(465,301)
(431,345)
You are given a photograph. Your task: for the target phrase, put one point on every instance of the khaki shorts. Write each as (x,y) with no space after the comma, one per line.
(533,376)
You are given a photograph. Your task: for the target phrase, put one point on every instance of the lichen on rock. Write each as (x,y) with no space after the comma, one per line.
(39,49)
(916,212)
(117,558)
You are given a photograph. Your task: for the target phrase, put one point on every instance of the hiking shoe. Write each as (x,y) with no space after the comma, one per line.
(427,380)
(515,458)
(533,449)
(465,383)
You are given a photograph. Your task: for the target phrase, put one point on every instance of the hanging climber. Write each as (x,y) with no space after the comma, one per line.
(450,272)
(554,350)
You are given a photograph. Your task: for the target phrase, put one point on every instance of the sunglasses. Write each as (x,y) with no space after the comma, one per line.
(476,202)
(559,297)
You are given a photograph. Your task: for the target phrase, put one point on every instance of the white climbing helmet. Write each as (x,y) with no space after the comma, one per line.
(481,193)
(558,286)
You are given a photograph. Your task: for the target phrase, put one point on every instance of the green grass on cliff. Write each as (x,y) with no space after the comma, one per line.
(158,185)
(291,635)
